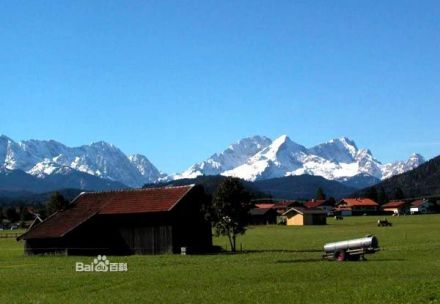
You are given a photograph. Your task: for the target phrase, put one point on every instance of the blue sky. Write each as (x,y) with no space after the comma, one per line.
(180,80)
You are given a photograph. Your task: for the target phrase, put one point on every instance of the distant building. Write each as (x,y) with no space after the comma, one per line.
(305,216)
(396,207)
(357,206)
(280,206)
(265,205)
(144,221)
(263,216)
(324,205)
(269,211)
(420,206)
(283,206)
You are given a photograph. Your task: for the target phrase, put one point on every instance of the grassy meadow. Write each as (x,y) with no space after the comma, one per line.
(279,265)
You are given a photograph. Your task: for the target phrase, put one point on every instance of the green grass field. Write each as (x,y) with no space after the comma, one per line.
(281,265)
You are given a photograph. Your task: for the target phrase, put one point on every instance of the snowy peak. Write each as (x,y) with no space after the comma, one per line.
(284,143)
(235,155)
(340,150)
(277,159)
(415,160)
(282,152)
(145,168)
(250,144)
(43,158)
(399,167)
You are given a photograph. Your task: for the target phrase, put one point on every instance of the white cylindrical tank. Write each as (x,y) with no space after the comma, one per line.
(362,243)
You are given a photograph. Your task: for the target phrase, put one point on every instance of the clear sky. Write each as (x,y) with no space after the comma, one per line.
(180,80)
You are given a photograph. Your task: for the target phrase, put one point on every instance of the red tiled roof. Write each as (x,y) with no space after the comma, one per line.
(264,206)
(417,203)
(359,202)
(395,204)
(86,205)
(140,201)
(314,204)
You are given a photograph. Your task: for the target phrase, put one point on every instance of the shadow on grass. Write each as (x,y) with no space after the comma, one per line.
(283,250)
(299,261)
(387,260)
(321,259)
(256,251)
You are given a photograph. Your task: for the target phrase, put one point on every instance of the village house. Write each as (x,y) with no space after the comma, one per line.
(144,221)
(420,206)
(298,216)
(267,209)
(280,206)
(396,207)
(324,205)
(356,206)
(283,206)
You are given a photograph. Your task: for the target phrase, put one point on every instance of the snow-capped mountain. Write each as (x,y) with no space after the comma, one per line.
(234,156)
(148,171)
(338,159)
(280,158)
(399,167)
(42,158)
(253,158)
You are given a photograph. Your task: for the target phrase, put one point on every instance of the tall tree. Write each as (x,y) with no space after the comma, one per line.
(56,203)
(320,195)
(230,210)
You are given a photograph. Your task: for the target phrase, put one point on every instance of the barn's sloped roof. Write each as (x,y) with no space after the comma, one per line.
(141,201)
(89,204)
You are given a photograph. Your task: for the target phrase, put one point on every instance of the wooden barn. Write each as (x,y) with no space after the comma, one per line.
(144,221)
(305,216)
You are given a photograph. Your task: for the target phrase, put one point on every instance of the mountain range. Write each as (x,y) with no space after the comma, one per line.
(41,158)
(46,164)
(259,158)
